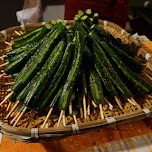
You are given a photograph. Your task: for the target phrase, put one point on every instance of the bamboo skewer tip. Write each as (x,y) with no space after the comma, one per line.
(47,117)
(84,107)
(13,108)
(2,75)
(4,64)
(21,114)
(118,102)
(64,123)
(101,111)
(8,43)
(60,117)
(7,97)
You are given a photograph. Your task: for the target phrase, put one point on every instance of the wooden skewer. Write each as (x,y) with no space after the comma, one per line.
(88,108)
(9,105)
(14,112)
(2,57)
(84,107)
(64,123)
(61,114)
(13,108)
(118,102)
(94,104)
(4,64)
(21,32)
(21,114)
(32,116)
(135,102)
(75,119)
(147,75)
(9,90)
(9,83)
(47,117)
(7,76)
(7,97)
(110,105)
(47,125)
(15,118)
(8,43)
(81,111)
(17,33)
(70,107)
(150,96)
(2,75)
(131,101)
(101,111)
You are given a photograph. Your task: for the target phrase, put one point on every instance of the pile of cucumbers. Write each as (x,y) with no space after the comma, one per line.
(54,62)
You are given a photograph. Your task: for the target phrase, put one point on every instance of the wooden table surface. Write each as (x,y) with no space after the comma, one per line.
(84,141)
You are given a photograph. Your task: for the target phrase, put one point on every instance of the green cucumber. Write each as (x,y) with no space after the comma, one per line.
(128,73)
(104,75)
(80,13)
(128,60)
(105,63)
(52,21)
(33,38)
(39,60)
(45,74)
(28,34)
(48,95)
(18,64)
(88,12)
(96,87)
(95,18)
(20,49)
(73,73)
(42,44)
(78,27)
(110,38)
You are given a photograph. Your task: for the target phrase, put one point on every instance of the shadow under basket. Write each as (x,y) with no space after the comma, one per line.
(29,129)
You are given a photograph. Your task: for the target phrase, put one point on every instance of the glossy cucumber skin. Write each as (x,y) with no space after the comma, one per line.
(105,63)
(42,44)
(28,34)
(38,61)
(69,37)
(111,39)
(128,60)
(83,87)
(85,26)
(33,38)
(48,95)
(73,73)
(45,74)
(20,49)
(104,75)
(126,71)
(14,58)
(78,27)
(96,87)
(19,63)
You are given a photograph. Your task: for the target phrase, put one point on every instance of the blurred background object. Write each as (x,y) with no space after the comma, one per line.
(139,17)
(31,12)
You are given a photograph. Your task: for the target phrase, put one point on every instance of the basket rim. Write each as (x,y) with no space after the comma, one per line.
(82,126)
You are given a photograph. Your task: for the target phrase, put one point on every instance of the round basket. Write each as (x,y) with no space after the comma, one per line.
(34,132)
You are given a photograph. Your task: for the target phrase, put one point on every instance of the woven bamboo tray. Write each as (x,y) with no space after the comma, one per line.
(34,132)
